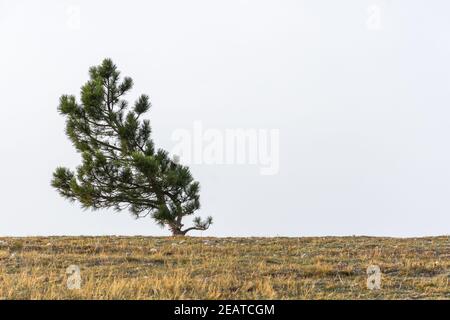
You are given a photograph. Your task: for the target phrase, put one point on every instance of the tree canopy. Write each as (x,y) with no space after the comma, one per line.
(121,168)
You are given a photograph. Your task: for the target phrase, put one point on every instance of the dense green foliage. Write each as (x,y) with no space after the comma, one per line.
(121,168)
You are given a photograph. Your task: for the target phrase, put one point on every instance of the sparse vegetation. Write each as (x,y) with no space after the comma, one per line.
(224,268)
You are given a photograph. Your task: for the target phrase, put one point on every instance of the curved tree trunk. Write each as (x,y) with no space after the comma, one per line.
(176,231)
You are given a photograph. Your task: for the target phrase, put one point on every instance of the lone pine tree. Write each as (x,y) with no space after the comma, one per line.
(120,167)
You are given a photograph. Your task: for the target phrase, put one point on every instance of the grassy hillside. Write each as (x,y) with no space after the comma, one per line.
(224,268)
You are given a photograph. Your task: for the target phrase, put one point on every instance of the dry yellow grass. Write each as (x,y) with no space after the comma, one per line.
(224,268)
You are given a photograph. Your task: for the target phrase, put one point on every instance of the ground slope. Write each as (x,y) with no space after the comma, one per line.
(224,268)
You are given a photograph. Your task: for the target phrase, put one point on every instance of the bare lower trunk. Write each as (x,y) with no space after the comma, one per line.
(176,231)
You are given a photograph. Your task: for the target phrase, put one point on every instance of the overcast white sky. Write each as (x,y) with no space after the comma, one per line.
(360,91)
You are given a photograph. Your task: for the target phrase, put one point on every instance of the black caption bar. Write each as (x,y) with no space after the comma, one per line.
(212,309)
